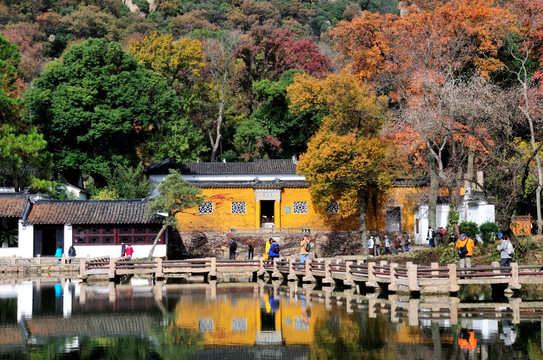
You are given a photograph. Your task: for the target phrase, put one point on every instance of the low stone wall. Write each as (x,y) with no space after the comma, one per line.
(215,244)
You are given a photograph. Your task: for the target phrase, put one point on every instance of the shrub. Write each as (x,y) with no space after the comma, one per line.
(489,231)
(469,228)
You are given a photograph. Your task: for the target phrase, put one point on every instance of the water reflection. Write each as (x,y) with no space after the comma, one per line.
(63,318)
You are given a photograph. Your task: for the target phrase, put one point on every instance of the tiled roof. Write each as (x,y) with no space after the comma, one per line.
(90,212)
(95,325)
(257,167)
(12,204)
(413,182)
(251,184)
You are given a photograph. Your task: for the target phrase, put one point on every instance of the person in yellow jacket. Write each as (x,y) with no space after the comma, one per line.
(465,246)
(267,249)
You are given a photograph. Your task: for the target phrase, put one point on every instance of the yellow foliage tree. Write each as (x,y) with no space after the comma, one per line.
(347,156)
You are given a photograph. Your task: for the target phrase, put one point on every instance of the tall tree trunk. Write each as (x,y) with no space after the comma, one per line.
(434,191)
(164,227)
(362,226)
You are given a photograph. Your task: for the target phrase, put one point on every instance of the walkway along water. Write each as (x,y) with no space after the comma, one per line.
(408,278)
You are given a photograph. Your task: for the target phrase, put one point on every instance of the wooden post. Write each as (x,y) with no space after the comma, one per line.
(453,281)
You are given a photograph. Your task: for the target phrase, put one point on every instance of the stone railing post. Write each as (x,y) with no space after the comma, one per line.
(112,263)
(453,280)
(38,259)
(453,312)
(82,267)
(412,279)
(348,275)
(328,280)
(435,266)
(291,271)
(413,312)
(308,277)
(371,276)
(13,259)
(159,271)
(514,285)
(393,286)
(213,267)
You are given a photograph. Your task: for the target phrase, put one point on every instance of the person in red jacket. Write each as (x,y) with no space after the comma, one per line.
(129,250)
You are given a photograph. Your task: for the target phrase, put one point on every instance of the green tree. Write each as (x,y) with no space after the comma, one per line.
(22,155)
(175,195)
(98,108)
(126,183)
(293,131)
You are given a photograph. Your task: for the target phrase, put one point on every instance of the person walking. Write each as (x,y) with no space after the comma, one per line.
(464,246)
(397,244)
(71,253)
(250,249)
(387,245)
(506,252)
(406,241)
(129,251)
(430,237)
(305,247)
(232,246)
(58,253)
(371,244)
(377,246)
(123,249)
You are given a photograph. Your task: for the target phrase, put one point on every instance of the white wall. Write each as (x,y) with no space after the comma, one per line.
(25,247)
(473,212)
(140,251)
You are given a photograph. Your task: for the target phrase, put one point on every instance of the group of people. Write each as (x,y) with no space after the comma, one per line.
(435,237)
(271,250)
(465,245)
(398,244)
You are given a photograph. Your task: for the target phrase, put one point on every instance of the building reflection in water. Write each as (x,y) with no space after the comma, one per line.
(254,314)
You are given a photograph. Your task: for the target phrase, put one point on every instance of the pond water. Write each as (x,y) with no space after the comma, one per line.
(66,319)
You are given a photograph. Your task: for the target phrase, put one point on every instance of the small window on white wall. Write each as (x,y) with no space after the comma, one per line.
(300,207)
(206,208)
(238,207)
(332,207)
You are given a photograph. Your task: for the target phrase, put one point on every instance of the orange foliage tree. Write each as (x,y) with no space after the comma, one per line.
(347,156)
(412,56)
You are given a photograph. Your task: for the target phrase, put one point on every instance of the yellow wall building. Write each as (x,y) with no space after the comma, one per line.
(269,193)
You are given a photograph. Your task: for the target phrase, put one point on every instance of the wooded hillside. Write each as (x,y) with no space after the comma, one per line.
(364,92)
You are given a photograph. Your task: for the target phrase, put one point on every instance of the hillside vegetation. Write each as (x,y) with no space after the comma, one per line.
(362,92)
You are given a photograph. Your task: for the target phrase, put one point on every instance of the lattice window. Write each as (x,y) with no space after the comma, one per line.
(206,208)
(332,207)
(238,207)
(239,325)
(205,325)
(300,207)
